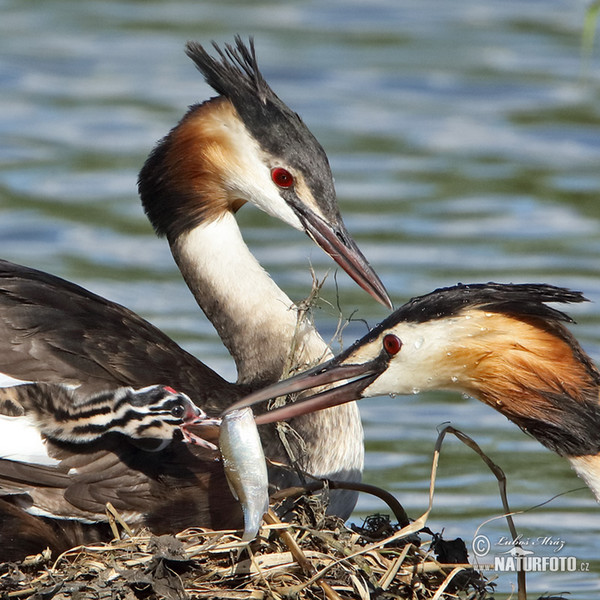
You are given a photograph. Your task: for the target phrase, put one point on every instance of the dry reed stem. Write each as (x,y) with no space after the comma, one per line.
(501,478)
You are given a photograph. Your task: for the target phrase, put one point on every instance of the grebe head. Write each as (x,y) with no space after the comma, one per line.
(501,344)
(246,145)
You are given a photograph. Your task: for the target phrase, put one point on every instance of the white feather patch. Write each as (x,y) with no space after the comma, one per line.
(20,440)
(36,511)
(588,468)
(8,381)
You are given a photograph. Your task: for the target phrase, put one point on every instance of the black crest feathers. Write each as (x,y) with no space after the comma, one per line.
(518,300)
(525,299)
(234,73)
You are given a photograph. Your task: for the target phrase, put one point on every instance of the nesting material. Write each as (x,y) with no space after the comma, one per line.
(321,560)
(315,556)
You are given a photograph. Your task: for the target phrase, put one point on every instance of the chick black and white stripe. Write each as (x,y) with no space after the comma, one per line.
(151,416)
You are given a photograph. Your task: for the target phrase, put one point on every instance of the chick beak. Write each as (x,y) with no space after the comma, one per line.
(207,427)
(357,378)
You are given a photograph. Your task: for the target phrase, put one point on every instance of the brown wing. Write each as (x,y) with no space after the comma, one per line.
(55,331)
(182,486)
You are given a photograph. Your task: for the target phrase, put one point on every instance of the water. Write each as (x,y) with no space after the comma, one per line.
(465,142)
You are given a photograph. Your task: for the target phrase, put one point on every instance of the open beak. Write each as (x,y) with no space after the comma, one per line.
(356,378)
(196,431)
(336,241)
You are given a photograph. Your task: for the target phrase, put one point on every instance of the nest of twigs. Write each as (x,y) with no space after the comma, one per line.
(288,560)
(312,556)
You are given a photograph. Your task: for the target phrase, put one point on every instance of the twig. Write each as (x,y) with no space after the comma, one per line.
(271,518)
(114,517)
(501,477)
(387,497)
(388,576)
(446,582)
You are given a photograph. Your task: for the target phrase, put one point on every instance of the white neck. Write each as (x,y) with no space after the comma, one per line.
(255,319)
(588,468)
(258,324)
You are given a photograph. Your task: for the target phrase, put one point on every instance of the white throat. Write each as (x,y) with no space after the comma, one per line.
(255,319)
(588,468)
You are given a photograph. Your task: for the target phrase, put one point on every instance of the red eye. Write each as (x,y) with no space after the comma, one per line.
(391,344)
(282,177)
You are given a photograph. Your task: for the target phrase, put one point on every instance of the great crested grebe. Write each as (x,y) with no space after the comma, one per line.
(501,344)
(245,145)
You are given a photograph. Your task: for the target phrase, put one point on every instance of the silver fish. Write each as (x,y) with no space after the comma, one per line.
(245,467)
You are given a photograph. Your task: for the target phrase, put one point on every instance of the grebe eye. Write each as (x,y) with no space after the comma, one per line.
(282,177)
(392,344)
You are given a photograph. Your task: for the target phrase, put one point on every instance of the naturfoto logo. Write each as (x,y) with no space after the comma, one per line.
(526,554)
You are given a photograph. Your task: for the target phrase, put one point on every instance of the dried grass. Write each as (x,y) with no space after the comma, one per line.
(287,561)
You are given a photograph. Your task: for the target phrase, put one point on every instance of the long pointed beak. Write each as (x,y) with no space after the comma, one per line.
(336,241)
(357,378)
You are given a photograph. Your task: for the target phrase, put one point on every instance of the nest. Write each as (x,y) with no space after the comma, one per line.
(313,556)
(323,559)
